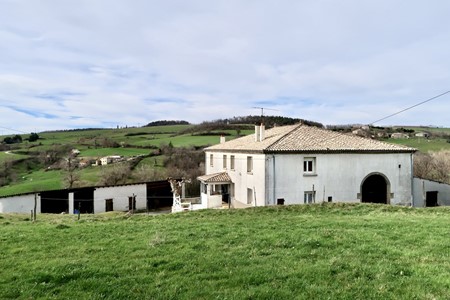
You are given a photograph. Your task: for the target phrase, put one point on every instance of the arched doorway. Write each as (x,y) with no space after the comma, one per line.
(375,189)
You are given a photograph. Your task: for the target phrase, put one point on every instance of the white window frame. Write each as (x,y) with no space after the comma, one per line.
(211,160)
(309,166)
(309,197)
(249,164)
(250,196)
(224,162)
(232,162)
(204,187)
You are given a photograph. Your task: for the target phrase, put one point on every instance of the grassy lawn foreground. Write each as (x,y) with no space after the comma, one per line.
(332,251)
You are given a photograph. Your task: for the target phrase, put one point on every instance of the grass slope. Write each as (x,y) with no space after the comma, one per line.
(422,144)
(330,251)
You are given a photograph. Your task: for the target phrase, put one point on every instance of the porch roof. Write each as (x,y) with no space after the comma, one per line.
(216,177)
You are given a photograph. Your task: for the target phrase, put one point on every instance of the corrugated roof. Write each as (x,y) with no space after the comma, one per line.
(216,177)
(304,138)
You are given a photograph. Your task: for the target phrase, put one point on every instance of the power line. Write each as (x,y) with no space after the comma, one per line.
(339,134)
(16,130)
(415,105)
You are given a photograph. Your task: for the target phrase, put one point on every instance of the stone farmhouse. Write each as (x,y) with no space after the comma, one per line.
(300,164)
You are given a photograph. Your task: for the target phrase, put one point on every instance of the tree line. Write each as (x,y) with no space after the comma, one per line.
(17,139)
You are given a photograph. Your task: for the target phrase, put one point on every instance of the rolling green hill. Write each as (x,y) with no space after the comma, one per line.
(33,166)
(26,166)
(328,251)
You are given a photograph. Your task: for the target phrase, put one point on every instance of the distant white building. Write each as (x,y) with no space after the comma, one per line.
(109,159)
(422,134)
(399,135)
(301,164)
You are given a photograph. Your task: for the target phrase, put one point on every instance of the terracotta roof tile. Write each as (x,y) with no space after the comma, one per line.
(216,177)
(303,138)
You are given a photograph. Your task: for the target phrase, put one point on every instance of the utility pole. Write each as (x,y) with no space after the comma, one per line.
(262,111)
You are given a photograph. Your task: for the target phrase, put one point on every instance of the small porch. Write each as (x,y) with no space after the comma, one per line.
(215,190)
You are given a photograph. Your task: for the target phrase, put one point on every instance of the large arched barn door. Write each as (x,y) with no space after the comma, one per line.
(375,189)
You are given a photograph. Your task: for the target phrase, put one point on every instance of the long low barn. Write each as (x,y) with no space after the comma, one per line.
(154,195)
(140,196)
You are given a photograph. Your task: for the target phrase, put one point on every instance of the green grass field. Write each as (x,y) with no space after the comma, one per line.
(35,181)
(8,156)
(422,144)
(101,152)
(332,251)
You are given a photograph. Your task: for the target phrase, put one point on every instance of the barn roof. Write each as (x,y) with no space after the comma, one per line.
(304,138)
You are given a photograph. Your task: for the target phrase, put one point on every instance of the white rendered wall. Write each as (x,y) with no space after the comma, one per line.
(239,176)
(120,195)
(20,204)
(422,186)
(339,176)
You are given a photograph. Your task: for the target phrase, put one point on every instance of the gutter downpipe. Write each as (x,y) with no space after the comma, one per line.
(274,178)
(412,179)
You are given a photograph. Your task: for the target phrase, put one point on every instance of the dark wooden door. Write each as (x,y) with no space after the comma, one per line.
(432,199)
(109,205)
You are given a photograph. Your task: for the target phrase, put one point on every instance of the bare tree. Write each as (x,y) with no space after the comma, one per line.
(149,173)
(6,173)
(441,166)
(54,154)
(115,174)
(72,176)
(433,166)
(423,164)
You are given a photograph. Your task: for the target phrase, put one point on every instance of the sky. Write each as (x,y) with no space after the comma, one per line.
(67,64)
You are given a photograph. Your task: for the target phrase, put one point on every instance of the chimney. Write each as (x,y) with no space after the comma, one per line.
(257,133)
(222,139)
(262,132)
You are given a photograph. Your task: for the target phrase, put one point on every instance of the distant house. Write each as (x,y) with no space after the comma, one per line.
(300,164)
(361,132)
(423,134)
(108,160)
(75,152)
(399,135)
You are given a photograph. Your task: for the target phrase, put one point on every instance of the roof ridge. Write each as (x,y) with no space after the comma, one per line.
(284,136)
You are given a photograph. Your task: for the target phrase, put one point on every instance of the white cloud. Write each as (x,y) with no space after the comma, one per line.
(97,63)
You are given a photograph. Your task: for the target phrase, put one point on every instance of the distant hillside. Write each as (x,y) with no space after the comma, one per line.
(269,121)
(219,126)
(166,123)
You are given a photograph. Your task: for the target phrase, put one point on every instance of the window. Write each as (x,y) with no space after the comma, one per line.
(249,196)
(309,165)
(204,188)
(249,164)
(232,162)
(216,189)
(309,197)
(224,161)
(211,160)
